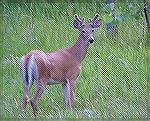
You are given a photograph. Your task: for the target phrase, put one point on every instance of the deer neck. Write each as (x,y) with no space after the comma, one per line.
(79,49)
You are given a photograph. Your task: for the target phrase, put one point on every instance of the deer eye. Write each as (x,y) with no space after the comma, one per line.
(83,31)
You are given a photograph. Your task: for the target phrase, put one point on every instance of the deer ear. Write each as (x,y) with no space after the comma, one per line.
(76,24)
(96,24)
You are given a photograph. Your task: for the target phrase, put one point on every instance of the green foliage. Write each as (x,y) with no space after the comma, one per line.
(113,81)
(122,12)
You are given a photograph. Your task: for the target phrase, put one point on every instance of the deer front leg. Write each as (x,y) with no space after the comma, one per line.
(40,89)
(69,93)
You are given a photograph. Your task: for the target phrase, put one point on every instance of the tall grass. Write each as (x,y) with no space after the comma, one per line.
(113,81)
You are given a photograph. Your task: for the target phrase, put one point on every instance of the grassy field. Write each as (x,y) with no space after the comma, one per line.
(113,80)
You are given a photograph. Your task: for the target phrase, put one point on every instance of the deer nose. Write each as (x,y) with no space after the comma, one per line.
(91,40)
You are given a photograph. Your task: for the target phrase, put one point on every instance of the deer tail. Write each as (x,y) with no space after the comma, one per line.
(28,68)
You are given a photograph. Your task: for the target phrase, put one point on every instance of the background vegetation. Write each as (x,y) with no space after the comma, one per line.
(113,81)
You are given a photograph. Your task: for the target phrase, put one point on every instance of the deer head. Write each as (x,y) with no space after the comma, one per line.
(87,30)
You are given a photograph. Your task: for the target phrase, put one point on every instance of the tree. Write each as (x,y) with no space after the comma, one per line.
(111,28)
(146,11)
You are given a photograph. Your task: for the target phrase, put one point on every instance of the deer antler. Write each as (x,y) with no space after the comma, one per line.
(95,22)
(78,23)
(94,19)
(78,19)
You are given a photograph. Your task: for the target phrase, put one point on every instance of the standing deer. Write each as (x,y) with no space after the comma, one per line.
(59,67)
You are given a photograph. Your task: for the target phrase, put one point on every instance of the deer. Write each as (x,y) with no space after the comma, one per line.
(59,67)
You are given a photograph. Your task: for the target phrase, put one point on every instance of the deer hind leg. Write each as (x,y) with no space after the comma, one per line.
(40,89)
(26,96)
(69,93)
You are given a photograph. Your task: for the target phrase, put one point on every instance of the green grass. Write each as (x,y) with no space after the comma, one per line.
(113,81)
